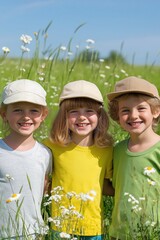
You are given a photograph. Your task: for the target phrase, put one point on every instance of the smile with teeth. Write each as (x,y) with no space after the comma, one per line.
(25,124)
(82,124)
(135,124)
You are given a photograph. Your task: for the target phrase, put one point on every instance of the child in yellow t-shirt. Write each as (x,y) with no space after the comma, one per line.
(82,151)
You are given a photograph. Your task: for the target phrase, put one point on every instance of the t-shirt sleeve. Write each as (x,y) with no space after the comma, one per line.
(50,162)
(48,159)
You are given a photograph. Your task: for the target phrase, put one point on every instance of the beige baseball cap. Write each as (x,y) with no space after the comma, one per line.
(24,90)
(133,85)
(81,88)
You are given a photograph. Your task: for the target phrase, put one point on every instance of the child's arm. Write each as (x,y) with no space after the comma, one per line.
(47,184)
(108,188)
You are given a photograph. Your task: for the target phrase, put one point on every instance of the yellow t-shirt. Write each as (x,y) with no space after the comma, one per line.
(82,169)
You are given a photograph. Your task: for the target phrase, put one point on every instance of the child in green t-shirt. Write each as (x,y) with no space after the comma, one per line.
(135,105)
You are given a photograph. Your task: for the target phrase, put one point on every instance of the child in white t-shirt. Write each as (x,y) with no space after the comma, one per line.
(24,163)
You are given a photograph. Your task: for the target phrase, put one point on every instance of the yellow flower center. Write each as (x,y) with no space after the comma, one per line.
(149,168)
(14,195)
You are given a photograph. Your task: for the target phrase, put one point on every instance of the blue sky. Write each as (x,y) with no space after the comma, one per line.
(132,27)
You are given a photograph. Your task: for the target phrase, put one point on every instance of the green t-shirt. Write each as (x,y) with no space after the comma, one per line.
(82,169)
(136,179)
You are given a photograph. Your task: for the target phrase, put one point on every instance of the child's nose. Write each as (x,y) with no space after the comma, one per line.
(26,114)
(81,115)
(134,113)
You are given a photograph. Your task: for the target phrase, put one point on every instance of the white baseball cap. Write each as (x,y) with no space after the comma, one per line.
(79,89)
(24,90)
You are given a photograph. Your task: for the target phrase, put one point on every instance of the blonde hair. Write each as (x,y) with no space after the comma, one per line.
(60,133)
(113,106)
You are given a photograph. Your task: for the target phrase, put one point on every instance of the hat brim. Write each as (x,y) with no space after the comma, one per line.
(25,97)
(114,95)
(81,96)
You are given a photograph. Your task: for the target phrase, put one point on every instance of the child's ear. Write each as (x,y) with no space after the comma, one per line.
(3,115)
(156,113)
(45,113)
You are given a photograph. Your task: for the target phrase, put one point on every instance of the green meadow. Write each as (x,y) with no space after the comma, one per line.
(53,68)
(53,73)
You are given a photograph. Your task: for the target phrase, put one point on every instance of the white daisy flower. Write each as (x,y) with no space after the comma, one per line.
(65,235)
(148,170)
(14,197)
(26,39)
(6,50)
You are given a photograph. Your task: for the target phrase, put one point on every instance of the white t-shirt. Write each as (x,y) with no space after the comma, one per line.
(27,170)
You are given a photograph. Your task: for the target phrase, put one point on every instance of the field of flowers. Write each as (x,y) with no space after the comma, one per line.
(55,67)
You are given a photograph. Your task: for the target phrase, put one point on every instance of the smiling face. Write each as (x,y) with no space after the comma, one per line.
(23,117)
(135,115)
(82,121)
